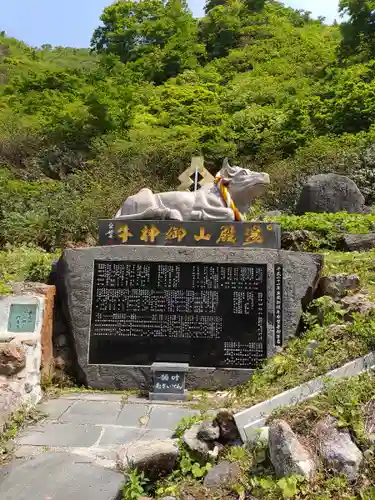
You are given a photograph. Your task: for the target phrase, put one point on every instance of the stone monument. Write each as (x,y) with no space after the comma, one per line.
(181,277)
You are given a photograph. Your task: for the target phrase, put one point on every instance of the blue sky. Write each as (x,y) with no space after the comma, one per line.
(72,22)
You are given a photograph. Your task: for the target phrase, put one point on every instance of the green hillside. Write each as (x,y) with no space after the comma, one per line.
(267,86)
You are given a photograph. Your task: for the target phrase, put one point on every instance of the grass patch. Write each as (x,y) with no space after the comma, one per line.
(361,263)
(345,400)
(24,264)
(336,346)
(17,421)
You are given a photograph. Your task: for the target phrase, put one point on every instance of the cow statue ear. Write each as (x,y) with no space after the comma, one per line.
(227,171)
(225,164)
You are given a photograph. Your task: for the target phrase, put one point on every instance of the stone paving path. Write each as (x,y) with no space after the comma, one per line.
(71,453)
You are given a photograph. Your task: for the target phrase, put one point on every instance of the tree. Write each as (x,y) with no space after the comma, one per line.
(227,24)
(159,37)
(221,29)
(358,32)
(252,5)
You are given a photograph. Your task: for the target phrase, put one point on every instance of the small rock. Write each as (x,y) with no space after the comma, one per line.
(153,457)
(228,428)
(224,473)
(209,431)
(337,449)
(28,387)
(187,496)
(298,240)
(12,359)
(60,363)
(272,213)
(330,193)
(368,454)
(356,242)
(338,285)
(358,303)
(169,498)
(369,412)
(336,331)
(62,340)
(288,456)
(312,345)
(190,438)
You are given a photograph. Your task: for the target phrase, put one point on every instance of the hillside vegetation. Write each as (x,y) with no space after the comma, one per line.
(263,84)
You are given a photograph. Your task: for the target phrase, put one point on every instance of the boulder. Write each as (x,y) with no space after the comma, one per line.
(288,456)
(337,449)
(299,240)
(152,457)
(224,473)
(358,303)
(330,193)
(338,285)
(209,431)
(202,448)
(356,242)
(12,359)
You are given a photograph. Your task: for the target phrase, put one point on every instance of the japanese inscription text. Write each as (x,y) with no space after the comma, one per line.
(22,318)
(190,233)
(202,314)
(169,382)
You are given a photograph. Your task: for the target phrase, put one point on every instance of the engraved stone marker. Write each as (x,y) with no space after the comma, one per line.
(20,314)
(221,310)
(22,318)
(168,381)
(212,315)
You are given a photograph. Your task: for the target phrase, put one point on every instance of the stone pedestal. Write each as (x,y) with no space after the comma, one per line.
(168,381)
(75,279)
(21,326)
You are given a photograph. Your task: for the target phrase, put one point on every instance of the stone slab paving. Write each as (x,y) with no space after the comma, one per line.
(71,453)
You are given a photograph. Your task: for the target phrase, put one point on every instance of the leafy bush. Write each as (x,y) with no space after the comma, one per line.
(324,230)
(24,264)
(134,486)
(325,224)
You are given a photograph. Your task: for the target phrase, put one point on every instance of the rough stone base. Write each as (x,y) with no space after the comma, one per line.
(158,396)
(141,377)
(74,274)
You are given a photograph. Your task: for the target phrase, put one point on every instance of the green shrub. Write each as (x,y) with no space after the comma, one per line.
(325,224)
(24,264)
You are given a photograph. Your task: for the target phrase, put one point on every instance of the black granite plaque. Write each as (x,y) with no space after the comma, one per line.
(190,233)
(210,315)
(278,272)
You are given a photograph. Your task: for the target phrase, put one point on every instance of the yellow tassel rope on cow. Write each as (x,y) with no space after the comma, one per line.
(219,181)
